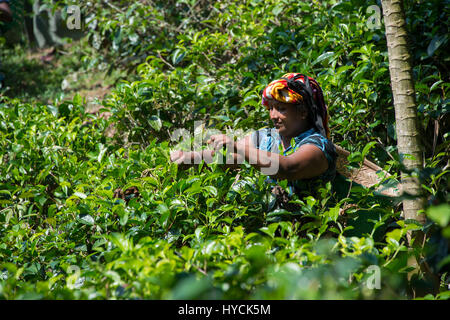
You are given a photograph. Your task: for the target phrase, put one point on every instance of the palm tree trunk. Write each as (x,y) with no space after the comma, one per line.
(408,138)
(407,125)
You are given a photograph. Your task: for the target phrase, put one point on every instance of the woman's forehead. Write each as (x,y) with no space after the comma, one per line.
(276,103)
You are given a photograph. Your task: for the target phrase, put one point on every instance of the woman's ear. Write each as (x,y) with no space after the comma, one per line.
(303,112)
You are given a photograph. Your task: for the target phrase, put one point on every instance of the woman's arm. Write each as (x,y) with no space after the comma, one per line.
(187,159)
(307,162)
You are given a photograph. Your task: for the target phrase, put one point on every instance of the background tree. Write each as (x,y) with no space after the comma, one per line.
(406,119)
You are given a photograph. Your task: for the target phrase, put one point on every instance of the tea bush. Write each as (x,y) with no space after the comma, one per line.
(85,216)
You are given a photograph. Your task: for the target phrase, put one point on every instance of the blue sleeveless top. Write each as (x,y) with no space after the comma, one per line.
(268,139)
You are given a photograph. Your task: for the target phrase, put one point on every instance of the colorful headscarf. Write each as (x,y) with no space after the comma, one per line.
(297,88)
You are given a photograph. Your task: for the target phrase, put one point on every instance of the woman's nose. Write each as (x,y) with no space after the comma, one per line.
(274,114)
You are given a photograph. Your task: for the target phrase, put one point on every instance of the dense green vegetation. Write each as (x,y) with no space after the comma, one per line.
(68,232)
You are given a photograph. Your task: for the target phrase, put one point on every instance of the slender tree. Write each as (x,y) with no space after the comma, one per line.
(408,139)
(407,124)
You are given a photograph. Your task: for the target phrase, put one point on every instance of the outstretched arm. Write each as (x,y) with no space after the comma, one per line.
(187,159)
(307,162)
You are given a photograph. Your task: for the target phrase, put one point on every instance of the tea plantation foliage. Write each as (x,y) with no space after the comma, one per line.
(68,233)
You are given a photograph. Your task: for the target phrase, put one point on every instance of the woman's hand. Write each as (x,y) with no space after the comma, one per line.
(178,156)
(185,159)
(218,141)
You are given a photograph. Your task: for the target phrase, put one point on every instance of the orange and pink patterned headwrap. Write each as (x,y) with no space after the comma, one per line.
(297,88)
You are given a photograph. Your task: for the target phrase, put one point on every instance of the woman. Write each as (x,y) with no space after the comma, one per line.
(297,148)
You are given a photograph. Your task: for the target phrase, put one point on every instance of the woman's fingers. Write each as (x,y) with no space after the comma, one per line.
(176,155)
(219,141)
(212,141)
(180,160)
(181,157)
(218,144)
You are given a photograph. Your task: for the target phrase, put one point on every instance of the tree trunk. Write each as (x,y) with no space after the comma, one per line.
(408,138)
(400,68)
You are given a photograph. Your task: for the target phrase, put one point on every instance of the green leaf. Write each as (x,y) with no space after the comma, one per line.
(323,56)
(434,85)
(333,213)
(41,199)
(87,220)
(190,288)
(446,232)
(124,218)
(178,56)
(394,235)
(121,242)
(80,195)
(440,214)
(211,190)
(101,152)
(198,233)
(164,214)
(270,230)
(53,110)
(277,9)
(366,149)
(155,122)
(435,43)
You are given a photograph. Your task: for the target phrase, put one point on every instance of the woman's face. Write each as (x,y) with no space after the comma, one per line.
(287,118)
